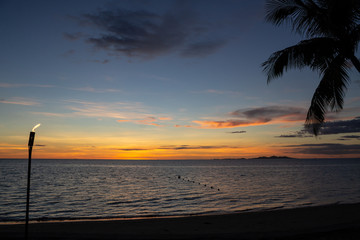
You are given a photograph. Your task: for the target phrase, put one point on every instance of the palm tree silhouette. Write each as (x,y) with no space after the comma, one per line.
(333,31)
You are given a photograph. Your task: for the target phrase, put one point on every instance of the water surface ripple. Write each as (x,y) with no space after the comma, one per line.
(72,189)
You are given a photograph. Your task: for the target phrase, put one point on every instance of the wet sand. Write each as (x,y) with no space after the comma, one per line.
(323,222)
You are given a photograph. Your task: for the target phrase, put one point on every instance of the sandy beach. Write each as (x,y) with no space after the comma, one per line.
(322,222)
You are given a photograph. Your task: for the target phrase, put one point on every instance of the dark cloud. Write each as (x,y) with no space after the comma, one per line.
(333,127)
(188,147)
(132,149)
(137,32)
(266,114)
(40,145)
(147,34)
(336,127)
(295,135)
(176,147)
(144,33)
(349,137)
(257,116)
(238,132)
(299,134)
(326,148)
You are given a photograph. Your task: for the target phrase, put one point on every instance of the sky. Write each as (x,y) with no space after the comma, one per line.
(157,79)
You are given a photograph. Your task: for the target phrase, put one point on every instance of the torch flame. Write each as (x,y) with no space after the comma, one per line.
(33,130)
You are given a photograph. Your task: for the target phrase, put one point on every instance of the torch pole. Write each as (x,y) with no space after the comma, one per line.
(30,145)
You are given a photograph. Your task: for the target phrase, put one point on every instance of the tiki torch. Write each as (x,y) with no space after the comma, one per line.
(30,146)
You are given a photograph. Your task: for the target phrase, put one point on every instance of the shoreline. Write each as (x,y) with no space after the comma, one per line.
(336,221)
(144,217)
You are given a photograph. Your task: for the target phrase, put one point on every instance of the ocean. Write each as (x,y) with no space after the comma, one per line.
(91,189)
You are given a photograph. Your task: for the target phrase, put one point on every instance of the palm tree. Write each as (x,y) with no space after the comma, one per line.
(333,31)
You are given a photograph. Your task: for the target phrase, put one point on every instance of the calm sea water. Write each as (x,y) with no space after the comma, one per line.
(75,189)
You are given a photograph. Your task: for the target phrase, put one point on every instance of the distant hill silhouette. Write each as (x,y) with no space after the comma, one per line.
(263,157)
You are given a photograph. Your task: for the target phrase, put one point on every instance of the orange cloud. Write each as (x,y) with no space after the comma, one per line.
(146,121)
(227,124)
(165,118)
(20,101)
(178,126)
(254,117)
(272,113)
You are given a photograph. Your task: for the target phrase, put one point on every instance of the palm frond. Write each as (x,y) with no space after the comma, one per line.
(329,95)
(305,17)
(280,11)
(315,18)
(334,29)
(314,53)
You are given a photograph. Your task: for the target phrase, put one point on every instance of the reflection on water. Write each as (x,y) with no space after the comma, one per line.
(104,188)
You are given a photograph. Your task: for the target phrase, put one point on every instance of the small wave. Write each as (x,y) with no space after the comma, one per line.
(274,208)
(182,199)
(307,204)
(52,203)
(124,202)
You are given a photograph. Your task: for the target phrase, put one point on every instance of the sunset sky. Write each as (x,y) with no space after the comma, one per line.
(153,79)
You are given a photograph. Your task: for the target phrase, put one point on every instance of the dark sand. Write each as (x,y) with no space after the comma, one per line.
(324,222)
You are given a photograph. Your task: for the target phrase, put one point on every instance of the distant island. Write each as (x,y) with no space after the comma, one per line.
(263,157)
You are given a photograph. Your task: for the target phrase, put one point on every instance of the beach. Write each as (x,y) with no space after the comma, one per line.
(338,221)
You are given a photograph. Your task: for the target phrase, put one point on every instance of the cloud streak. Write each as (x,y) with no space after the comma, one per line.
(178,147)
(20,101)
(299,134)
(329,128)
(228,123)
(20,85)
(153,121)
(82,89)
(326,149)
(117,110)
(217,91)
(96,90)
(336,127)
(256,116)
(349,137)
(267,114)
(122,112)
